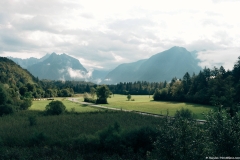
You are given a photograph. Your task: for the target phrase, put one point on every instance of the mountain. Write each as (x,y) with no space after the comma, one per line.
(98,76)
(166,65)
(13,75)
(124,72)
(24,63)
(59,67)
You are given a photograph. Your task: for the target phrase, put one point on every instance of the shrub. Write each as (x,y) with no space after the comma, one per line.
(32,120)
(38,139)
(129,97)
(26,104)
(6,109)
(184,114)
(55,108)
(89,100)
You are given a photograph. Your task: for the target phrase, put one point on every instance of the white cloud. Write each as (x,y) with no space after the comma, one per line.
(226,58)
(103,34)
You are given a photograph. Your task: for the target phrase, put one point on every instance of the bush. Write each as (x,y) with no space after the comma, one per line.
(89,100)
(55,108)
(6,109)
(26,104)
(38,139)
(184,114)
(32,120)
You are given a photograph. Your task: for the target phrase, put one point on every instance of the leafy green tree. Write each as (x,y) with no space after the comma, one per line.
(27,102)
(129,97)
(181,138)
(3,95)
(223,132)
(7,109)
(93,92)
(103,93)
(55,108)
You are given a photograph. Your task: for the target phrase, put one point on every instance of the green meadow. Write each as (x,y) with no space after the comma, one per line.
(142,103)
(70,106)
(145,103)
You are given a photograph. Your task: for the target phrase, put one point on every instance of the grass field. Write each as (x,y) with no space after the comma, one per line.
(145,103)
(142,103)
(40,105)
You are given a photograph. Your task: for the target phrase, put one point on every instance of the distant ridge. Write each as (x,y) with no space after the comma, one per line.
(59,67)
(162,66)
(24,63)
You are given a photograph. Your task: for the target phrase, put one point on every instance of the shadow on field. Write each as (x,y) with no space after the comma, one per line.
(84,105)
(185,104)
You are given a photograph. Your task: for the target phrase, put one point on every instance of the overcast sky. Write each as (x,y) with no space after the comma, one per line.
(103,34)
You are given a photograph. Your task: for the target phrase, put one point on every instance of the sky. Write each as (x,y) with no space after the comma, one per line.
(103,34)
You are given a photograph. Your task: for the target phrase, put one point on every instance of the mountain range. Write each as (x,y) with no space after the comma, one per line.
(24,63)
(166,65)
(162,66)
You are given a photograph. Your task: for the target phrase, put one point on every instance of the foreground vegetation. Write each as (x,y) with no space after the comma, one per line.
(117,135)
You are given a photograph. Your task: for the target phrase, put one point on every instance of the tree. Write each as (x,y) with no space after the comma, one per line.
(3,95)
(103,93)
(55,108)
(26,104)
(186,83)
(92,92)
(129,97)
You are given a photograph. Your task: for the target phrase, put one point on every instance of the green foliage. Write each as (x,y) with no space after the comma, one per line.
(38,139)
(184,114)
(7,109)
(93,92)
(180,139)
(26,104)
(103,93)
(3,95)
(223,134)
(55,108)
(32,120)
(87,98)
(129,97)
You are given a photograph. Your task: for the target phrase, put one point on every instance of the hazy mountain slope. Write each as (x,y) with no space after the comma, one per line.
(168,64)
(174,62)
(24,63)
(126,72)
(59,67)
(98,75)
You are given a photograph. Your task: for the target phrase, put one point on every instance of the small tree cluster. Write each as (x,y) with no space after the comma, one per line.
(55,108)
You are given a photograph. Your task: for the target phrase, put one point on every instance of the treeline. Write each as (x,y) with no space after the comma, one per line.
(211,87)
(137,88)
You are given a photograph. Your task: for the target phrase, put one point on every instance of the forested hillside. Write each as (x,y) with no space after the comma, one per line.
(18,87)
